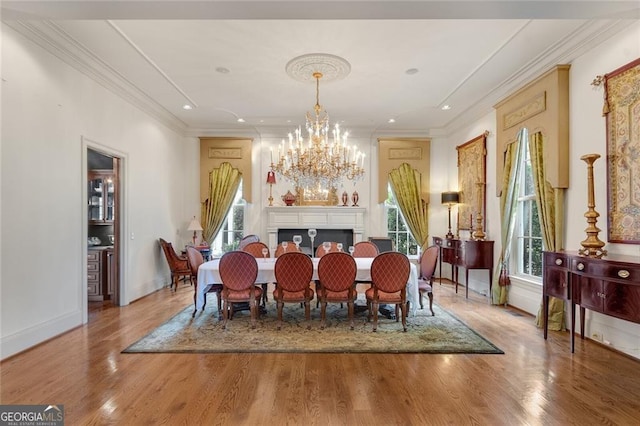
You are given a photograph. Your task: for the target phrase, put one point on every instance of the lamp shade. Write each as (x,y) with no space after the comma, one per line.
(450,198)
(271,177)
(194,225)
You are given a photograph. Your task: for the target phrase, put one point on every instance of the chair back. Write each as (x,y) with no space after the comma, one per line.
(428,262)
(334,248)
(175,262)
(365,249)
(248,239)
(293,271)
(337,271)
(291,248)
(390,271)
(195,259)
(238,270)
(255,249)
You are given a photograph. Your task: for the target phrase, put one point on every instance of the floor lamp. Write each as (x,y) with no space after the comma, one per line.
(450,198)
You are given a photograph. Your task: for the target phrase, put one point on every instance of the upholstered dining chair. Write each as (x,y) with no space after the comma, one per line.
(247,239)
(255,249)
(291,247)
(337,273)
(389,275)
(178,264)
(195,258)
(293,273)
(365,249)
(428,262)
(238,272)
(334,248)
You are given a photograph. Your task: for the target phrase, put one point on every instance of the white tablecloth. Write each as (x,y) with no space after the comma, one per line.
(209,274)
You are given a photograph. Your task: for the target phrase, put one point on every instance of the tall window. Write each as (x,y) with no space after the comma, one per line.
(397,228)
(528,239)
(233,229)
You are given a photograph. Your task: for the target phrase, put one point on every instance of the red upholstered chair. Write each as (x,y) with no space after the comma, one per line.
(255,249)
(195,260)
(365,249)
(238,272)
(179,265)
(334,247)
(337,273)
(428,262)
(291,247)
(389,275)
(248,239)
(293,273)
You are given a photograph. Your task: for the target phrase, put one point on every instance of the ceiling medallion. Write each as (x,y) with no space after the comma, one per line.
(332,67)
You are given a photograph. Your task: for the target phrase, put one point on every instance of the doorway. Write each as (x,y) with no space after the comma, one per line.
(104,209)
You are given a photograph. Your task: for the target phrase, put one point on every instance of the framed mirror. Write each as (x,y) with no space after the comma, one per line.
(317,196)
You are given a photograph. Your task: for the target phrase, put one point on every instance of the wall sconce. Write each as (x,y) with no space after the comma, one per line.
(450,198)
(271,180)
(194,226)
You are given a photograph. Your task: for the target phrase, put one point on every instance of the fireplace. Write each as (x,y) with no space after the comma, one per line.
(340,224)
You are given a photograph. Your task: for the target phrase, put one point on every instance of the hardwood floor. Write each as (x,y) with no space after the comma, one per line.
(536,382)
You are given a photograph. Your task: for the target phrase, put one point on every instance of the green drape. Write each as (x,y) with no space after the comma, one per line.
(547,199)
(405,185)
(223,185)
(508,206)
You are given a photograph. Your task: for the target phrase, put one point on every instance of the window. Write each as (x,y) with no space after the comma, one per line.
(233,228)
(528,250)
(397,228)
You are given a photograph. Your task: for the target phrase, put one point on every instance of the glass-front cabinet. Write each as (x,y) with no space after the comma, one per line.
(101,198)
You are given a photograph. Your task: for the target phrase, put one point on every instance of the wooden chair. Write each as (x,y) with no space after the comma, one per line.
(195,258)
(389,275)
(365,249)
(293,273)
(238,272)
(255,249)
(179,265)
(291,247)
(247,239)
(428,262)
(337,273)
(334,248)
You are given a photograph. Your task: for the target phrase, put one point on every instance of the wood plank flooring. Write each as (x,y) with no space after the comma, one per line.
(536,382)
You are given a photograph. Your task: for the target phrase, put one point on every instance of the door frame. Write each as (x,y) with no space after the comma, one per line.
(121,214)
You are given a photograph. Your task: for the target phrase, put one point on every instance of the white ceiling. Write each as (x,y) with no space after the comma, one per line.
(164,54)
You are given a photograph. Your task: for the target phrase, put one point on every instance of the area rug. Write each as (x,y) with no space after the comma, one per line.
(442,333)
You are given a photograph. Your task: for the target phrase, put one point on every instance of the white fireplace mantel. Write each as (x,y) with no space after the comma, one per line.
(319,217)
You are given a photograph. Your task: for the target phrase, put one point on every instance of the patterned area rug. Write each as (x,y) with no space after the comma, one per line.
(442,333)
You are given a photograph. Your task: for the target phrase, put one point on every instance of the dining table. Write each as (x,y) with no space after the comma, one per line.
(209,274)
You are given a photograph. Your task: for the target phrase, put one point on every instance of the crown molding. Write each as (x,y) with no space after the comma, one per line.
(56,41)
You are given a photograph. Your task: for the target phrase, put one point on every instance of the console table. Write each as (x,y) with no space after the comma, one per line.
(608,285)
(469,254)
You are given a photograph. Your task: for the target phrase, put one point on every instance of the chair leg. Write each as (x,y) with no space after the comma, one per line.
(225,314)
(253,307)
(323,313)
(396,310)
(403,310)
(430,294)
(375,316)
(264,295)
(350,307)
(420,294)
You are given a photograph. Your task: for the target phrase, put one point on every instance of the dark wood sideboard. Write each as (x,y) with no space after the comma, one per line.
(468,254)
(609,285)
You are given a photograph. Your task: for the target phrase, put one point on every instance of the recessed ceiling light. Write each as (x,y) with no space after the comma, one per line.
(222,70)
(240,120)
(412,71)
(446,107)
(187,107)
(392,120)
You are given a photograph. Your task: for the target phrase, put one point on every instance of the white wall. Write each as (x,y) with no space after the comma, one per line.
(48,110)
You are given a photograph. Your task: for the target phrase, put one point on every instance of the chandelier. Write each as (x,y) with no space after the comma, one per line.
(319,159)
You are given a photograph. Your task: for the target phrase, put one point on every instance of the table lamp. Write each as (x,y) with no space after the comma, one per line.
(194,226)
(450,198)
(271,180)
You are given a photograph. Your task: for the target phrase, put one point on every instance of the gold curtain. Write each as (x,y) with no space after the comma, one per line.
(223,185)
(405,184)
(547,200)
(508,205)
